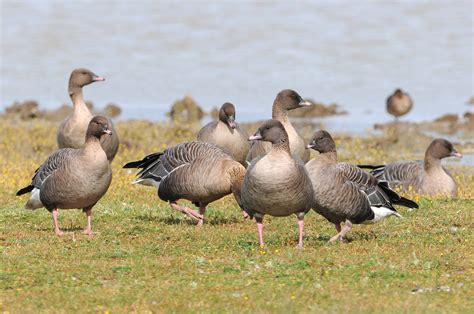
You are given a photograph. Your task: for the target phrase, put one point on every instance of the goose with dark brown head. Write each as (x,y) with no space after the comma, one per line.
(276,183)
(227,133)
(426,177)
(196,171)
(345,193)
(73,178)
(72,130)
(399,103)
(286,100)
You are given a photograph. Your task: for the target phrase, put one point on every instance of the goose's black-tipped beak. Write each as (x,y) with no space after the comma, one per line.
(304,103)
(256,136)
(97,78)
(231,122)
(455,154)
(309,146)
(107,131)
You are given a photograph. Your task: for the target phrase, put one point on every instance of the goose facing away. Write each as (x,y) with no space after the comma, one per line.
(427,177)
(226,133)
(276,183)
(196,171)
(399,103)
(73,178)
(345,193)
(286,100)
(72,130)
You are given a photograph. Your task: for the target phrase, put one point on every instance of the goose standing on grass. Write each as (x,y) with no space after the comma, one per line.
(276,183)
(427,177)
(196,171)
(399,103)
(72,130)
(73,178)
(286,100)
(226,133)
(345,193)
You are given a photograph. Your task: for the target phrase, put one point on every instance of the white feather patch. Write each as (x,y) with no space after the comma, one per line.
(148,182)
(380,213)
(34,201)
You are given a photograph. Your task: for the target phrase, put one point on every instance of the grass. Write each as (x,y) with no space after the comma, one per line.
(146,257)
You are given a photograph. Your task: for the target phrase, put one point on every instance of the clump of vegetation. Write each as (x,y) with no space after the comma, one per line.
(147,257)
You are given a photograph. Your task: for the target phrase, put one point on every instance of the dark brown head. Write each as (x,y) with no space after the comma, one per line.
(441,148)
(398,92)
(322,142)
(82,77)
(98,126)
(227,114)
(288,99)
(270,131)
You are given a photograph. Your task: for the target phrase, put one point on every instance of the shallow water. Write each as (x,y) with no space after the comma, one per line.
(350,52)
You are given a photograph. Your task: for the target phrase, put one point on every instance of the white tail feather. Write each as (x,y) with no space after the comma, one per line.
(380,213)
(34,201)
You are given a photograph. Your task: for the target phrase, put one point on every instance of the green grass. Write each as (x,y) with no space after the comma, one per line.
(146,257)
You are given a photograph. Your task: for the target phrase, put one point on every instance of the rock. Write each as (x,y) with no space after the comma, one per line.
(471,101)
(317,110)
(186,110)
(112,110)
(449,117)
(25,110)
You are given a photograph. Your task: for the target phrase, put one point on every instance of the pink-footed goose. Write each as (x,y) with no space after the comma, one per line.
(286,100)
(196,171)
(72,130)
(426,177)
(399,103)
(276,183)
(73,178)
(227,133)
(345,193)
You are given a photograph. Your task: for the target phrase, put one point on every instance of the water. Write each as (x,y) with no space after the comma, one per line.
(353,53)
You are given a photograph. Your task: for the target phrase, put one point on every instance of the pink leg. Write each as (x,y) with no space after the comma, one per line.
(88,229)
(341,231)
(244,213)
(260,230)
(55,221)
(187,211)
(202,211)
(300,233)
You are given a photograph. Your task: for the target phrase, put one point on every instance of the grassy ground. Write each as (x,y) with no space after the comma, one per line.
(146,257)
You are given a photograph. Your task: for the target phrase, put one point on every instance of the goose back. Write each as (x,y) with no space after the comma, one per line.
(234,141)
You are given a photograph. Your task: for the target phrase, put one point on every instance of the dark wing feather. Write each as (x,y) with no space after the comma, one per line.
(159,165)
(54,161)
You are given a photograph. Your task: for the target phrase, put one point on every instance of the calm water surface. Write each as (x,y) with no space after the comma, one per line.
(353,53)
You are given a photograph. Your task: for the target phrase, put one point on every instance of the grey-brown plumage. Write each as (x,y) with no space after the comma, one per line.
(285,100)
(276,183)
(73,178)
(427,177)
(399,103)
(227,134)
(345,193)
(72,130)
(197,171)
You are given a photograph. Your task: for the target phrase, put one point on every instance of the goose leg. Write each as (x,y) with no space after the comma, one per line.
(300,233)
(88,229)
(259,220)
(341,231)
(202,211)
(55,221)
(187,211)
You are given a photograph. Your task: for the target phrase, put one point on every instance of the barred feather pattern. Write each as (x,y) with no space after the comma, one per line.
(197,171)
